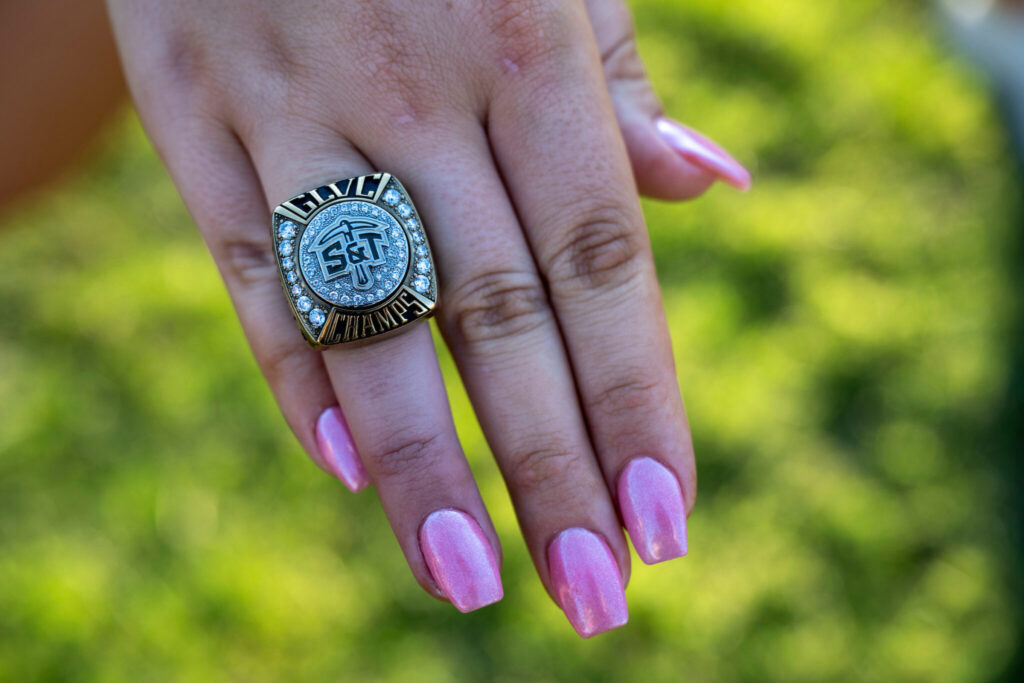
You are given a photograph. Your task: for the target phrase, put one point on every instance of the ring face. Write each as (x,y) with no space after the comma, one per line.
(354,259)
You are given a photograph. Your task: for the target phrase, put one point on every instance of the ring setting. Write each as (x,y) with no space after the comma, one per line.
(354,259)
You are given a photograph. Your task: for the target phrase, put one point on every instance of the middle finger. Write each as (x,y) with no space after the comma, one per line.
(495,315)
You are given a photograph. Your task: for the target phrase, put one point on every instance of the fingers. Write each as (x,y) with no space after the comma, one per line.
(569,176)
(219,184)
(670,160)
(392,395)
(497,320)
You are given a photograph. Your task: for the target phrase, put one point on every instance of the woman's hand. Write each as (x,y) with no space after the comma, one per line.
(513,124)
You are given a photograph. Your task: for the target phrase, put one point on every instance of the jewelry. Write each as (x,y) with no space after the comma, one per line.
(354,259)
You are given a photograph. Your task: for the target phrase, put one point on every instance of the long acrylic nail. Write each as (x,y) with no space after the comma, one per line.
(702,152)
(652,506)
(587,582)
(460,559)
(338,449)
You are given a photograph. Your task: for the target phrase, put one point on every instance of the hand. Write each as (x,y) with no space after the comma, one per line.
(514,136)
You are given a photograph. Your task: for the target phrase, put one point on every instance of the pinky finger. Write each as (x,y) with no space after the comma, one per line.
(224,196)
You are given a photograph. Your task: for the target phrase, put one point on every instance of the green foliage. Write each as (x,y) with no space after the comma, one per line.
(838,334)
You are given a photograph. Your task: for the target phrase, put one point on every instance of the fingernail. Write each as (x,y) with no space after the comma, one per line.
(460,559)
(338,449)
(652,506)
(702,152)
(587,582)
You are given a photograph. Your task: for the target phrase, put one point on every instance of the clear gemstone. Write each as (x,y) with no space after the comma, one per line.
(286,230)
(421,284)
(404,210)
(357,299)
(304,303)
(379,293)
(345,298)
(288,263)
(296,290)
(412,223)
(421,251)
(292,277)
(417,236)
(392,196)
(285,248)
(423,266)
(317,317)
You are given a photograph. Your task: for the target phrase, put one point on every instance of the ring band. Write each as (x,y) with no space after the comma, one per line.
(354,259)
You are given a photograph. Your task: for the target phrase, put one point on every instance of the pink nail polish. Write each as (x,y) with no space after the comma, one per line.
(587,582)
(702,152)
(338,449)
(460,559)
(651,502)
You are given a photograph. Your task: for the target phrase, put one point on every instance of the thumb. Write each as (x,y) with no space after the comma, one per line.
(670,160)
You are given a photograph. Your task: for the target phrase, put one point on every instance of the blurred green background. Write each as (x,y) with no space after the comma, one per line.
(846,340)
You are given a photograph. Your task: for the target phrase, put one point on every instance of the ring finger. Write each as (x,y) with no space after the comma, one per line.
(392,394)
(496,318)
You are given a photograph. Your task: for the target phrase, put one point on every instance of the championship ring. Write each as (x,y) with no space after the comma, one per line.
(354,259)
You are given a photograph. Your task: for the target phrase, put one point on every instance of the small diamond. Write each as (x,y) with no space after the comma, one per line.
(345,298)
(421,251)
(417,236)
(292,277)
(392,197)
(317,317)
(288,263)
(304,303)
(396,234)
(285,249)
(421,284)
(286,230)
(423,266)
(412,223)
(296,290)
(357,299)
(404,210)
(379,293)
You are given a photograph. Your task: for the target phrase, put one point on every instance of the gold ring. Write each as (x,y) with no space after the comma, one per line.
(354,259)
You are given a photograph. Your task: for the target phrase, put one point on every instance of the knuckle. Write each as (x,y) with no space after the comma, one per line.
(634,393)
(281,360)
(622,61)
(525,32)
(406,453)
(496,305)
(603,249)
(543,465)
(246,260)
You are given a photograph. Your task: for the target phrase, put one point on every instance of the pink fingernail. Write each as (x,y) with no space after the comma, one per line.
(587,582)
(652,506)
(702,152)
(460,559)
(338,449)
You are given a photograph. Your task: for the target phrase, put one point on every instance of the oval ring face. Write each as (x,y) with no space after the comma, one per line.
(353,254)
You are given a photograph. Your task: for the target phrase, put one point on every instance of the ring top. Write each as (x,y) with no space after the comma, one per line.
(354,259)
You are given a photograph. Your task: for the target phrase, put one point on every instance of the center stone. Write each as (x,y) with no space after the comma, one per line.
(354,254)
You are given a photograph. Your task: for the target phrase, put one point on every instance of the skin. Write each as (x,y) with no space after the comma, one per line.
(66,93)
(524,131)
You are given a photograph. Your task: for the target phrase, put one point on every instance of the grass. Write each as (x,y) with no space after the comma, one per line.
(843,338)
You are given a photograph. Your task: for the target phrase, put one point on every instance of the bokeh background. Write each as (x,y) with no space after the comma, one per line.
(847,337)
